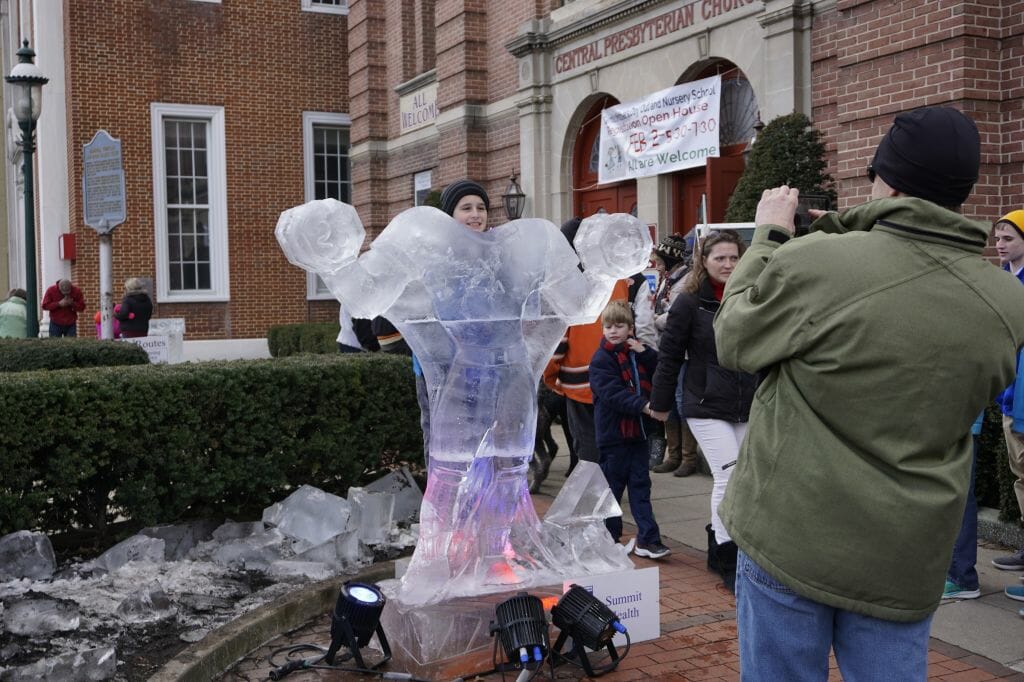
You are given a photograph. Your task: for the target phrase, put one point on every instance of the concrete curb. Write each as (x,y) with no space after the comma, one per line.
(215,653)
(1000,532)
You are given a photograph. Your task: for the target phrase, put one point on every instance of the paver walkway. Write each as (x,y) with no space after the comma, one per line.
(698,640)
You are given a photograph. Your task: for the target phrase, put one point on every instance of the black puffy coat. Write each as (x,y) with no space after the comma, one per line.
(136,309)
(709,390)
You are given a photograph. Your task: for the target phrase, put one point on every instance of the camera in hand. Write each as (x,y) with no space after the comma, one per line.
(803,219)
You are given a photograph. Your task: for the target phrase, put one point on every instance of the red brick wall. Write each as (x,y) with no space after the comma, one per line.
(265,63)
(872,60)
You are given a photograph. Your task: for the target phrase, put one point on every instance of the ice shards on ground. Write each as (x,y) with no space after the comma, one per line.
(25,554)
(309,514)
(81,666)
(40,615)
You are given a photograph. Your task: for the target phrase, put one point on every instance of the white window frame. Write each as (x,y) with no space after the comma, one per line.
(310,6)
(309,120)
(218,189)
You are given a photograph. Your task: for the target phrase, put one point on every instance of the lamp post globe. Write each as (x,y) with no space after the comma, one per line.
(28,81)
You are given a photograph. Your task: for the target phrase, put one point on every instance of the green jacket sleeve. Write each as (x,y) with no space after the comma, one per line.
(761,320)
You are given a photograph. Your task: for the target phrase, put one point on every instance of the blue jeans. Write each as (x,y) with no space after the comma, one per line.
(57,330)
(965,550)
(625,467)
(784,636)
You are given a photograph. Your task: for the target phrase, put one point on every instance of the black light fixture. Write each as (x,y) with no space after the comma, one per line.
(758,127)
(28,82)
(522,630)
(591,624)
(514,199)
(355,619)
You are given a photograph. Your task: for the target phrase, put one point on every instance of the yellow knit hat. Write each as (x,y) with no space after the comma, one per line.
(1015,218)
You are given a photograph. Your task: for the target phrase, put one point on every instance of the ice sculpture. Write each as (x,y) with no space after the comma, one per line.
(483,311)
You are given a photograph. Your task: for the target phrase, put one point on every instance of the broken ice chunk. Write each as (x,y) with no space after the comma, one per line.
(179,539)
(408,496)
(255,552)
(25,554)
(314,570)
(39,615)
(584,498)
(148,605)
(371,513)
(309,514)
(135,548)
(232,530)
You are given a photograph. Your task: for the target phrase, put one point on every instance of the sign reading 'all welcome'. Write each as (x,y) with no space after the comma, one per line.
(666,131)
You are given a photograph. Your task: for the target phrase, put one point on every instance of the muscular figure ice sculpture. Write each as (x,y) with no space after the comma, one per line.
(483,312)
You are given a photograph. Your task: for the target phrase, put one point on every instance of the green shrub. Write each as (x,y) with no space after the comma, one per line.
(994,485)
(23,355)
(310,337)
(165,442)
(789,151)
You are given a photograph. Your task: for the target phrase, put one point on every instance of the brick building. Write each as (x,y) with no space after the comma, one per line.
(379,102)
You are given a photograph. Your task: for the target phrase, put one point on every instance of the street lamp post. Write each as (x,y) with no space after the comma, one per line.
(28,82)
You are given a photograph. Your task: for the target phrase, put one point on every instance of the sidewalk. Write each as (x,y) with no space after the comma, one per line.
(973,640)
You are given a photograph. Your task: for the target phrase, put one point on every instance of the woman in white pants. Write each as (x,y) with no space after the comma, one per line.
(716,401)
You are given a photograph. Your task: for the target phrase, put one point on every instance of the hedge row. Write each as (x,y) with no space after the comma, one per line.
(994,485)
(310,337)
(24,355)
(159,443)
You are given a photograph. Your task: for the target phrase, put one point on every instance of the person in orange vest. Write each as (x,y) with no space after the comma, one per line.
(568,371)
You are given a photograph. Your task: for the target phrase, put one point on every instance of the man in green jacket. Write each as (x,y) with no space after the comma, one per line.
(880,337)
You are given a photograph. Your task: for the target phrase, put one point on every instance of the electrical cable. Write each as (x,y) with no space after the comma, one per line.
(280,671)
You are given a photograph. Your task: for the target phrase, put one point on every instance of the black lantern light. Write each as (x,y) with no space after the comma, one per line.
(28,82)
(522,630)
(514,199)
(356,617)
(591,624)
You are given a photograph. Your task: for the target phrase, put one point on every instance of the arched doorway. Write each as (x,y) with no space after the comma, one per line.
(588,197)
(716,181)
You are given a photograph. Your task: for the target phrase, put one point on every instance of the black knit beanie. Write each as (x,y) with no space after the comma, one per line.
(569,229)
(932,153)
(458,189)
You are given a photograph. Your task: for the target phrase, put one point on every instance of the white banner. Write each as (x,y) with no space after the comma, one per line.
(666,131)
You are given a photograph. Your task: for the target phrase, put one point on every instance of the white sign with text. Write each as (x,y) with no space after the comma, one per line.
(666,131)
(157,347)
(634,596)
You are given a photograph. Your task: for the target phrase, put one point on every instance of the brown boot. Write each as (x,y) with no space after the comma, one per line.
(688,448)
(673,452)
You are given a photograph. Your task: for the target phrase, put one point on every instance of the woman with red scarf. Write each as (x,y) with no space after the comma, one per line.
(716,401)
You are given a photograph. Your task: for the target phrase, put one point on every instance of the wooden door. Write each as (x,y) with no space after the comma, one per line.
(722,175)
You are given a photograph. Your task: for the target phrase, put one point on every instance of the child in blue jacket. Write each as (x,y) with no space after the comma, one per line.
(620,379)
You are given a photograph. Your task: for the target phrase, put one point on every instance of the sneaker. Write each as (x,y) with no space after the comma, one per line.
(954,591)
(655,550)
(1013,562)
(1015,592)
